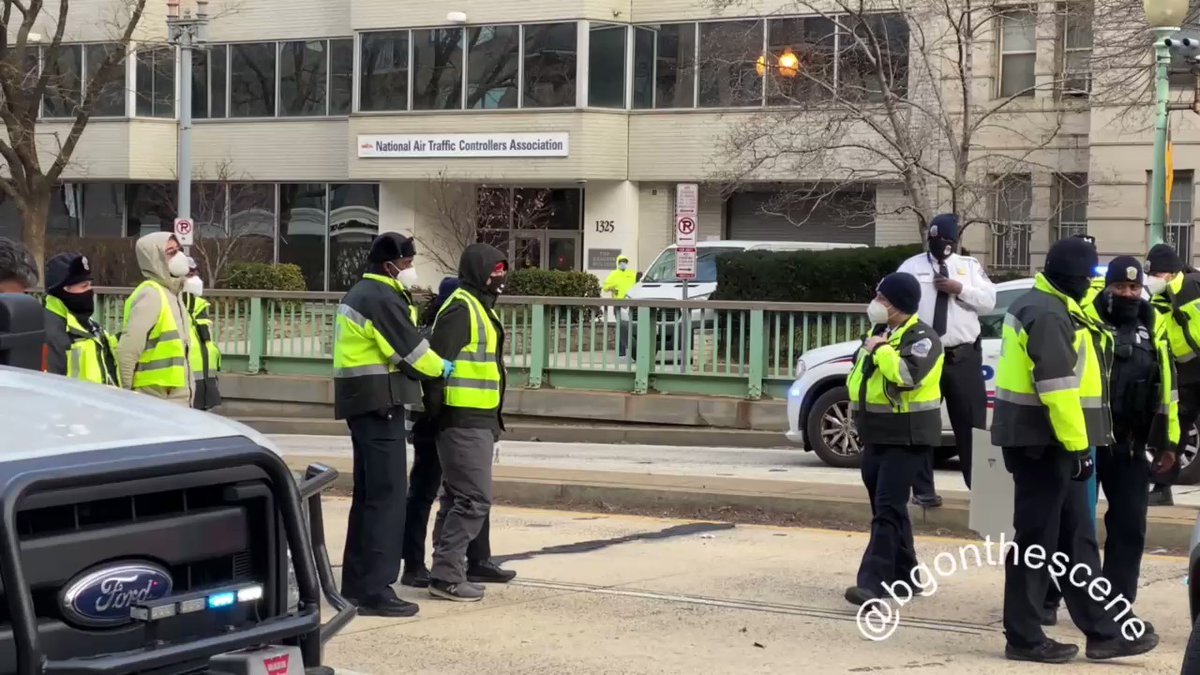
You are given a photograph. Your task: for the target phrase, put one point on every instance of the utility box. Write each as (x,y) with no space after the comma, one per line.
(991,490)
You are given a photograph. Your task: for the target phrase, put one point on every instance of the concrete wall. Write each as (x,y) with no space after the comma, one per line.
(294,150)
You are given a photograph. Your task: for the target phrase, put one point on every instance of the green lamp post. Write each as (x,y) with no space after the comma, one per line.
(1165,17)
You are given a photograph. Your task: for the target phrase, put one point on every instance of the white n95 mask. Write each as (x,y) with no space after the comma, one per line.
(877,312)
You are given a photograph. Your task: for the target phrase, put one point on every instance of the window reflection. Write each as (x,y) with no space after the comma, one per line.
(606,67)
(493,54)
(303,78)
(302,230)
(252,80)
(729,52)
(437,69)
(550,54)
(383,80)
(353,225)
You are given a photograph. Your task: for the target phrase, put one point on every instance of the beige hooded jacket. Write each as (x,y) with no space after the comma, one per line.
(143,315)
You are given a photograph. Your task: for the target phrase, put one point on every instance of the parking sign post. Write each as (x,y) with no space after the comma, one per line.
(184,231)
(687,203)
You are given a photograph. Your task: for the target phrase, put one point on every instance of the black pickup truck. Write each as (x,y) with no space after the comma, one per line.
(137,536)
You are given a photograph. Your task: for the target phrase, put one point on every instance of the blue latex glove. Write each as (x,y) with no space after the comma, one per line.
(447,369)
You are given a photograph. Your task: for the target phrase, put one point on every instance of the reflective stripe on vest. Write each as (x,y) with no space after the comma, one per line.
(476,379)
(884,397)
(356,350)
(200,349)
(84,359)
(163,362)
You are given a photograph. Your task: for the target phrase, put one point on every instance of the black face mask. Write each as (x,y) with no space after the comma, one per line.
(941,248)
(79,304)
(1074,287)
(1123,310)
(495,285)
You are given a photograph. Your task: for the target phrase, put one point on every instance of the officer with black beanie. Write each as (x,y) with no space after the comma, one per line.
(76,346)
(895,396)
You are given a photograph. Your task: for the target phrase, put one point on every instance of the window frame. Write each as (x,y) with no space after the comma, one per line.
(278,107)
(1025,227)
(1064,32)
(1062,182)
(1003,13)
(127,64)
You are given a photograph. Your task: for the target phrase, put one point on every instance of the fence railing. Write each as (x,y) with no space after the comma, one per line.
(741,349)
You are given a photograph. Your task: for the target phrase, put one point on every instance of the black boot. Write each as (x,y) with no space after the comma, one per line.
(1048,651)
(417,577)
(1161,496)
(488,572)
(857,595)
(386,604)
(1119,647)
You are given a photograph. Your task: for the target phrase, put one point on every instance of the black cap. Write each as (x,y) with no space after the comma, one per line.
(391,246)
(901,290)
(1162,258)
(1124,268)
(944,226)
(1071,258)
(67,269)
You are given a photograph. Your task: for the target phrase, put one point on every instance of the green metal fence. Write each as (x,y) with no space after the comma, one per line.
(746,350)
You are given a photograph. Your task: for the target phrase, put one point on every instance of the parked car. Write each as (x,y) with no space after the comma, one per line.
(819,405)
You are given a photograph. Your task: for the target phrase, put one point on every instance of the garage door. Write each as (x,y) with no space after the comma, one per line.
(847,217)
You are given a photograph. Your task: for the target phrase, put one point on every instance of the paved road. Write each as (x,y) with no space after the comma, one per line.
(766,464)
(626,594)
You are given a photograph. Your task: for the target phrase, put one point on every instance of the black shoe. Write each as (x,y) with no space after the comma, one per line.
(386,604)
(1161,496)
(488,572)
(1048,651)
(1119,647)
(417,577)
(462,592)
(927,501)
(857,595)
(1049,616)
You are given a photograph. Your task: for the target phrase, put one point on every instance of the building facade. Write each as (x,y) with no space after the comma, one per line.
(556,130)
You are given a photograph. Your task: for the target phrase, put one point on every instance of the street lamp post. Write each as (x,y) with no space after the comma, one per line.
(1165,17)
(186,31)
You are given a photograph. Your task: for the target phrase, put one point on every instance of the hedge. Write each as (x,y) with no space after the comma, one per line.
(265,277)
(840,275)
(552,283)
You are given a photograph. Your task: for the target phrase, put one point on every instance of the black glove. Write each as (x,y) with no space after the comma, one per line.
(1084,467)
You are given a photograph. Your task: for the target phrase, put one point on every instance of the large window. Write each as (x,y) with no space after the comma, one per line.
(729,52)
(383,78)
(1076,21)
(535,227)
(303,78)
(550,55)
(1013,222)
(156,82)
(353,225)
(209,69)
(1071,202)
(437,69)
(1018,45)
(64,81)
(665,66)
(302,230)
(801,53)
(1180,217)
(492,67)
(606,66)
(110,100)
(252,80)
(874,58)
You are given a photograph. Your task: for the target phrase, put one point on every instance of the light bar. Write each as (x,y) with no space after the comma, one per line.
(190,603)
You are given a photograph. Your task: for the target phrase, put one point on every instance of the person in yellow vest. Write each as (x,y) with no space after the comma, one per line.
(204,357)
(620,280)
(76,346)
(467,412)
(153,351)
(896,399)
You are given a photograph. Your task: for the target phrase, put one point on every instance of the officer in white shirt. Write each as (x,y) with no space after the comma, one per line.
(955,290)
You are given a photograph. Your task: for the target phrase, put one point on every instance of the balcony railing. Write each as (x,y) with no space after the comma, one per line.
(741,349)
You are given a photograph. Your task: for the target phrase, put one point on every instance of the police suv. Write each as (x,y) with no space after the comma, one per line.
(819,405)
(138,536)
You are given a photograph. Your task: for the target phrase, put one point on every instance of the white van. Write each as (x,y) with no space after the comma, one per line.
(660,282)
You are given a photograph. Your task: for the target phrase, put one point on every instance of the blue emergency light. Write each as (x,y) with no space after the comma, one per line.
(1101,270)
(212,599)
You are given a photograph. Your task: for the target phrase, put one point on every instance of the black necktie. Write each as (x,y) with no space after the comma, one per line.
(941,307)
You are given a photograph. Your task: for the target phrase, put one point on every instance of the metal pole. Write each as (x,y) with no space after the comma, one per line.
(185,126)
(1158,182)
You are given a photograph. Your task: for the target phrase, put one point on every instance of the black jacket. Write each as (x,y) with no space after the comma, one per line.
(1136,377)
(58,342)
(452,332)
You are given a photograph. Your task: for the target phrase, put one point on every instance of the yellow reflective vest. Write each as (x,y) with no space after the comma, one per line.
(163,363)
(204,356)
(477,381)
(1179,306)
(895,390)
(92,355)
(619,282)
(1052,377)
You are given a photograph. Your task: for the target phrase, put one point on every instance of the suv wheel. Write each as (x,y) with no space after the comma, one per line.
(1189,468)
(830,428)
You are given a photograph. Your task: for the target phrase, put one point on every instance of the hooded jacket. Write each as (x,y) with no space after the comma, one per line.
(143,315)
(452,332)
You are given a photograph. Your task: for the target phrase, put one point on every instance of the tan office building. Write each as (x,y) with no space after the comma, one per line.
(322,122)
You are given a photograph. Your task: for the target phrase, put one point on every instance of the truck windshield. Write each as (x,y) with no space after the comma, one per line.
(662,270)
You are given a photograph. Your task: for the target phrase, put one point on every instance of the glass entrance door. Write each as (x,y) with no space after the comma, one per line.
(527,250)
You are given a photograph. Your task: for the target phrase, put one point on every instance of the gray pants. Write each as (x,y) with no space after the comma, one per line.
(466,457)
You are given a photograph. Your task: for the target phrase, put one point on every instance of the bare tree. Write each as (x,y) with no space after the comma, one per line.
(890,93)
(74,93)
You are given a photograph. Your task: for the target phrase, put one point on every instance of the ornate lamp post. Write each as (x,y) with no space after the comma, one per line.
(1165,17)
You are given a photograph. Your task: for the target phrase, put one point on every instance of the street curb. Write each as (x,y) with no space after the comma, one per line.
(1168,528)
(562,433)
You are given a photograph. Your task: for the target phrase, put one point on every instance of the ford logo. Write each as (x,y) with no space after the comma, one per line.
(104,595)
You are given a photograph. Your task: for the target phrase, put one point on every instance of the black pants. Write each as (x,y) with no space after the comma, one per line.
(423,483)
(1123,472)
(888,472)
(371,561)
(1050,511)
(965,394)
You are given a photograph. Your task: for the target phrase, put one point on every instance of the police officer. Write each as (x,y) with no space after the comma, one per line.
(895,397)
(955,290)
(1175,293)
(1051,406)
(378,355)
(468,413)
(204,355)
(76,346)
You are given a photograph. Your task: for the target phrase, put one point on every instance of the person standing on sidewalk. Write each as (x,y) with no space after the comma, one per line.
(896,399)
(378,358)
(1052,406)
(955,290)
(1175,292)
(423,482)
(468,413)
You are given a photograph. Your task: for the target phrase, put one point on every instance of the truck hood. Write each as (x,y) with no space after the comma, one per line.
(42,415)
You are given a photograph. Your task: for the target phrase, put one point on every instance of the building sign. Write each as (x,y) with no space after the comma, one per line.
(603,258)
(419,146)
